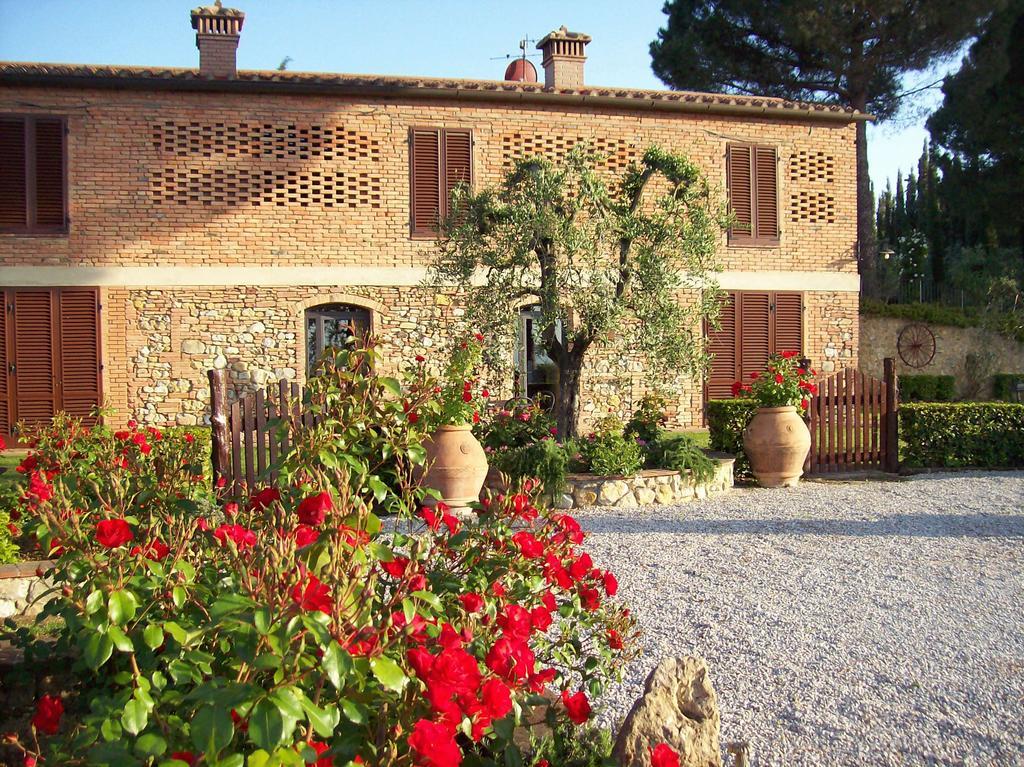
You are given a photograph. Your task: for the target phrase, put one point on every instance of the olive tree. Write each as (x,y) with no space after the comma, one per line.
(604,260)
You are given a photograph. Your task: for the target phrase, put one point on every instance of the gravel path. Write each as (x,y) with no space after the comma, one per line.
(858,623)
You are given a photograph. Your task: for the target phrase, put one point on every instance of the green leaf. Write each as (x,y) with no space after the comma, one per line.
(380,490)
(94,602)
(336,664)
(150,744)
(212,730)
(324,720)
(393,385)
(121,640)
(388,673)
(176,631)
(178,596)
(97,650)
(121,606)
(153,636)
(111,729)
(353,711)
(258,758)
(135,717)
(430,598)
(266,727)
(261,620)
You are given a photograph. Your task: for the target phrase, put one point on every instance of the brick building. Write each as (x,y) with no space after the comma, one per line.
(155,223)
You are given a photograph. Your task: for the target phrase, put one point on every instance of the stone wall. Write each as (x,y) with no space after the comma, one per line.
(952,345)
(653,486)
(21,585)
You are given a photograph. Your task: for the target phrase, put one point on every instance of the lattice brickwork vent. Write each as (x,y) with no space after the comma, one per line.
(219,187)
(812,166)
(813,207)
(617,152)
(281,141)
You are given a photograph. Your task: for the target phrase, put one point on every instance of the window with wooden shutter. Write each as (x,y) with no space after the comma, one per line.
(50,352)
(440,160)
(754,325)
(32,175)
(751,176)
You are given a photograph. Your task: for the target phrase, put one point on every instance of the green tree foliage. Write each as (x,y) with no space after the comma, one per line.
(851,53)
(604,262)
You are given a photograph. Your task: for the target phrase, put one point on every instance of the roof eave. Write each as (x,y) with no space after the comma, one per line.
(669,103)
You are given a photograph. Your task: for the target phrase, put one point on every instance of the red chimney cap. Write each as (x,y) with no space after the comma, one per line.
(522,71)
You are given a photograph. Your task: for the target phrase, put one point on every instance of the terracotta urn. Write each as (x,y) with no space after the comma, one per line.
(456,466)
(776,442)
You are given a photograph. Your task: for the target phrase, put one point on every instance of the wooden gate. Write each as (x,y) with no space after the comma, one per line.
(853,423)
(245,444)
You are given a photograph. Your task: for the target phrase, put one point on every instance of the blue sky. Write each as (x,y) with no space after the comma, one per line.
(456,38)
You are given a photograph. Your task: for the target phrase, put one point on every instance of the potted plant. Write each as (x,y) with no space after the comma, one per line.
(777,440)
(456,463)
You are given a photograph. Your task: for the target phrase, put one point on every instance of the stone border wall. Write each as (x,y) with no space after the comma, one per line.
(653,486)
(20,586)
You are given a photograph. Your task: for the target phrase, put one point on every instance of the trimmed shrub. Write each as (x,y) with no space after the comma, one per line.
(1004,385)
(727,418)
(608,451)
(962,434)
(1004,323)
(926,388)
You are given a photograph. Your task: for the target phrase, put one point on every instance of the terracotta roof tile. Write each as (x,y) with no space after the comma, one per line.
(87,75)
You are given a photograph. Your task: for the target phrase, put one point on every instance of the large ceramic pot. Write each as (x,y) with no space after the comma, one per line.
(456,465)
(776,442)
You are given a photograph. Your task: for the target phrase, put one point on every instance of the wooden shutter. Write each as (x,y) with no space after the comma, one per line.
(49,174)
(755,331)
(789,323)
(425,192)
(79,346)
(766,204)
(35,369)
(458,162)
(13,202)
(722,345)
(740,183)
(5,403)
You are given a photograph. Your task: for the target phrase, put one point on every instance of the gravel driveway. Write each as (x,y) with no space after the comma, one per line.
(857,623)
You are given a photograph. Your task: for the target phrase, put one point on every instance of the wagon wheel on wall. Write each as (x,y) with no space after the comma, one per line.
(916,345)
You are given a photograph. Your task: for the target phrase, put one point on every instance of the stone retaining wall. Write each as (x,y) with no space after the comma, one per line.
(653,486)
(20,586)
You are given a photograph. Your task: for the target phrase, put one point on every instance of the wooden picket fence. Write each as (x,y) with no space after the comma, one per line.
(245,446)
(853,423)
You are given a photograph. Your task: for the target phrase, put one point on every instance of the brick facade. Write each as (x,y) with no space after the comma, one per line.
(195,181)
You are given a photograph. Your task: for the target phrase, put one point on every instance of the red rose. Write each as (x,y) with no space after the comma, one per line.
(184,756)
(472,603)
(49,710)
(614,640)
(396,567)
(785,355)
(413,417)
(111,533)
(778,378)
(496,698)
(264,498)
(476,417)
(754,376)
(542,763)
(611,584)
(243,537)
(540,618)
(515,622)
(434,745)
(467,396)
(305,536)
(512,660)
(156,550)
(312,595)
(420,358)
(528,544)
(478,336)
(662,755)
(576,706)
(804,404)
(589,598)
(485,393)
(539,681)
(230,509)
(313,510)
(320,748)
(190,438)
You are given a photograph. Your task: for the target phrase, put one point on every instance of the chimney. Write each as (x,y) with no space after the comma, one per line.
(217,31)
(563,58)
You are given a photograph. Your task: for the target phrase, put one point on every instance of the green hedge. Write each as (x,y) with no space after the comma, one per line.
(727,418)
(982,434)
(922,388)
(1004,385)
(1006,324)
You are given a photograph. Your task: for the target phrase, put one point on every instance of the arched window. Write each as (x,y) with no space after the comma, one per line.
(329,326)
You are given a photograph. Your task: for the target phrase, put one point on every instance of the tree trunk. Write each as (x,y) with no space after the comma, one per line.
(866,244)
(567,396)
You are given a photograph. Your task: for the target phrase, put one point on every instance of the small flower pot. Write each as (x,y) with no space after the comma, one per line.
(456,466)
(776,442)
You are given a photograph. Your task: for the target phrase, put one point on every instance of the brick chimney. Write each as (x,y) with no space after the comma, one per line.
(217,31)
(563,58)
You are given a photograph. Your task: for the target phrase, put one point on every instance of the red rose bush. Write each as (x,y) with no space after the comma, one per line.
(327,619)
(783,382)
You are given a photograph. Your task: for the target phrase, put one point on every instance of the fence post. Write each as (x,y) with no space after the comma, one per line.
(892,404)
(218,423)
